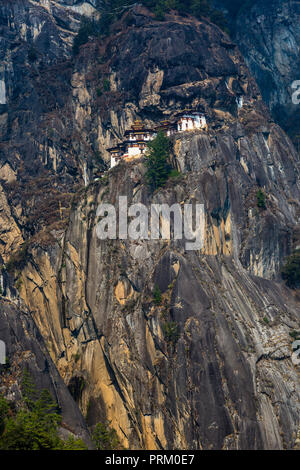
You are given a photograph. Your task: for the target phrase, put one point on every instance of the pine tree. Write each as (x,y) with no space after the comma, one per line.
(35,425)
(105,438)
(291,270)
(158,168)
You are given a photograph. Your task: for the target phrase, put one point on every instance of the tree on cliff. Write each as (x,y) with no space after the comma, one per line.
(105,438)
(112,10)
(35,425)
(157,161)
(291,270)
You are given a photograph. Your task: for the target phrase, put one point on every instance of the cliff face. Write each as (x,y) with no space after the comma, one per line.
(210,365)
(26,349)
(268,34)
(227,381)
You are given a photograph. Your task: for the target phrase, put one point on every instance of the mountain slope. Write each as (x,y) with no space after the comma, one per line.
(209,366)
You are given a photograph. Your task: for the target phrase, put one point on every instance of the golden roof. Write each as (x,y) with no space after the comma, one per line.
(137,125)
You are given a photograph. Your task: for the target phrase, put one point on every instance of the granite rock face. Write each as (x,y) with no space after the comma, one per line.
(209,366)
(268,35)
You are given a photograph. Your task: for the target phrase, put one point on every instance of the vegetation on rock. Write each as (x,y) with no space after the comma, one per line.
(112,10)
(261,199)
(171,331)
(105,438)
(158,167)
(87,28)
(295,334)
(35,425)
(106,84)
(18,260)
(291,270)
(157,295)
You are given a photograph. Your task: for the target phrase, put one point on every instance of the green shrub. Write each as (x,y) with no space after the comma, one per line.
(18,260)
(159,11)
(294,334)
(99,162)
(291,270)
(261,199)
(35,425)
(87,28)
(18,283)
(175,174)
(76,356)
(171,331)
(29,391)
(106,84)
(105,438)
(34,428)
(112,10)
(158,167)
(4,408)
(72,444)
(157,295)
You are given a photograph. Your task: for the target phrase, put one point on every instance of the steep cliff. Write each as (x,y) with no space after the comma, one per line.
(268,34)
(225,379)
(209,364)
(26,350)
(58,124)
